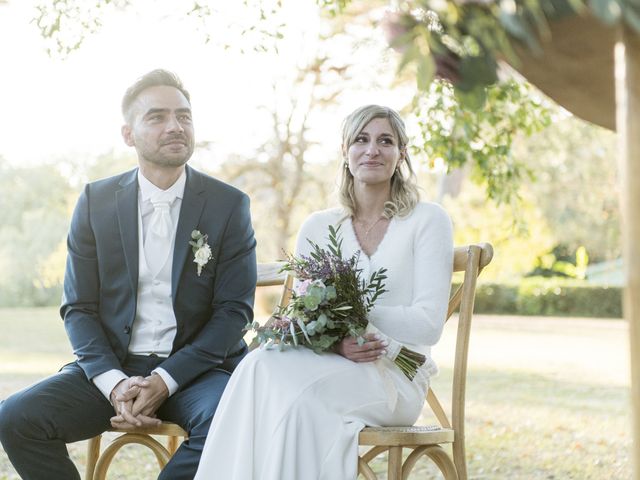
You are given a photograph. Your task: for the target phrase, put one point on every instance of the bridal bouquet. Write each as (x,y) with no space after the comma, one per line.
(329,302)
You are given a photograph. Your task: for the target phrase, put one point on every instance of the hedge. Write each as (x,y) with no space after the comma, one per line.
(552,297)
(531,296)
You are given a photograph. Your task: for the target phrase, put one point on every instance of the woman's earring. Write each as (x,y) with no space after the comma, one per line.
(346,165)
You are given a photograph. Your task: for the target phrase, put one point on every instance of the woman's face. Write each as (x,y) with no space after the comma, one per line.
(375,154)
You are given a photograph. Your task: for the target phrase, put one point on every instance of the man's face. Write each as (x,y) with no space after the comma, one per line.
(160,127)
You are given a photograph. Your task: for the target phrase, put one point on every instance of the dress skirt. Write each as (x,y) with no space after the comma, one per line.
(296,415)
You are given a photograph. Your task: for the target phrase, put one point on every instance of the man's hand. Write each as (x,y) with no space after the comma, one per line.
(150,397)
(372,349)
(122,398)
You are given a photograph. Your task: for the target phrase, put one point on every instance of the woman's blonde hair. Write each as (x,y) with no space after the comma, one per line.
(404,188)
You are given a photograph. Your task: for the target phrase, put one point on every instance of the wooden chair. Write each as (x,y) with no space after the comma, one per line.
(429,440)
(98,463)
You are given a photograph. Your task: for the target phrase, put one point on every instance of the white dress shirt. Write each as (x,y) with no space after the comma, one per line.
(154,328)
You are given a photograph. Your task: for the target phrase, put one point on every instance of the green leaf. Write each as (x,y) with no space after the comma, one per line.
(473,99)
(480,71)
(516,26)
(426,72)
(632,17)
(608,11)
(303,329)
(330,293)
(411,54)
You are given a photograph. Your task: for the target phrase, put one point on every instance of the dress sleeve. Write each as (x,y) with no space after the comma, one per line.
(421,323)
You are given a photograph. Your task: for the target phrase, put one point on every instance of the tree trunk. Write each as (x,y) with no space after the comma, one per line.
(628,126)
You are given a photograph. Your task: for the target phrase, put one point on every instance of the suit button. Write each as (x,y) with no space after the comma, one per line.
(127,329)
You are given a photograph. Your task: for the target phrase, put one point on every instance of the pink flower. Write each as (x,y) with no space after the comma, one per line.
(301,287)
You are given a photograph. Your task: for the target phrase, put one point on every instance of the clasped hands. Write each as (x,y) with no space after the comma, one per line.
(136,400)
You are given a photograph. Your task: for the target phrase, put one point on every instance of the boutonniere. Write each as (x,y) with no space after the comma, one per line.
(201,249)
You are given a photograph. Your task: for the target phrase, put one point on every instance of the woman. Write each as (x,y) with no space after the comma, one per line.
(295,415)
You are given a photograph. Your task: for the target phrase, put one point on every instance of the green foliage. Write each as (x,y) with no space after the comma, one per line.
(333,6)
(518,235)
(330,302)
(66,24)
(497,298)
(561,263)
(467,38)
(576,185)
(34,212)
(484,137)
(35,209)
(550,296)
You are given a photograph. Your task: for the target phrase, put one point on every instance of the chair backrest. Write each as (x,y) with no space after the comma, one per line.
(470,259)
(270,274)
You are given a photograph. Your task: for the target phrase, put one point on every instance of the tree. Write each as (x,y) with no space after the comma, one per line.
(465,41)
(281,177)
(512,108)
(482,139)
(576,185)
(34,210)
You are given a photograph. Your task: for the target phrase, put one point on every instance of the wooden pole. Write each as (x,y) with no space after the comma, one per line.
(627,58)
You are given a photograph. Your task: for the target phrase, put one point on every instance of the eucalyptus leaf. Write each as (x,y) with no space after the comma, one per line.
(294,336)
(608,11)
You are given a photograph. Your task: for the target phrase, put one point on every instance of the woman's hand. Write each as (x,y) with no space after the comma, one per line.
(372,349)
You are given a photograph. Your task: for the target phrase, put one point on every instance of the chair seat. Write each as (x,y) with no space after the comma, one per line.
(405,436)
(165,428)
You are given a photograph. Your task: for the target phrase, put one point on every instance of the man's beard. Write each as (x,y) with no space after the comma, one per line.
(162,159)
(168,161)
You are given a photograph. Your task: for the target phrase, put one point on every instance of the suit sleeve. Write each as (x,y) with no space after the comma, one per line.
(232,302)
(81,296)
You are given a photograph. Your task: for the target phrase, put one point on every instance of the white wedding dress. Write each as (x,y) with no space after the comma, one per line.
(295,414)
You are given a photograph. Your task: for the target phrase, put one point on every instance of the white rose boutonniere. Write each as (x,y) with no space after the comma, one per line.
(201,249)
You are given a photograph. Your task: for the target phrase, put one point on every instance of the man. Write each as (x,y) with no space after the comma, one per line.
(159,283)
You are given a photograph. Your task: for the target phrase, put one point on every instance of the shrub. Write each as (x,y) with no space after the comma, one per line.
(549,296)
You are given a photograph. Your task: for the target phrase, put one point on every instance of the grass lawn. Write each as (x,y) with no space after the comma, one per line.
(547,398)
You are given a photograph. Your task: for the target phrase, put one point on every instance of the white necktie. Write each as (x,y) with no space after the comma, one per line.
(158,240)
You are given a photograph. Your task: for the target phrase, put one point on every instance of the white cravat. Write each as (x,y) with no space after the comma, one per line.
(157,244)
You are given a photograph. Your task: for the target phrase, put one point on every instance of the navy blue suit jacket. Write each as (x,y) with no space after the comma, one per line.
(101,279)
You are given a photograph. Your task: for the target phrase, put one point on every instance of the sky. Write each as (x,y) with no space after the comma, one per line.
(54,108)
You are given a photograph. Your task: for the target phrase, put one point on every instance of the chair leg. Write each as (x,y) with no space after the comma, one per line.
(161,453)
(395,463)
(93,453)
(365,470)
(442,460)
(459,458)
(373,453)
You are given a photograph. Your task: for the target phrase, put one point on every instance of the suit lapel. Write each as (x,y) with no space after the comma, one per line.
(127,207)
(190,211)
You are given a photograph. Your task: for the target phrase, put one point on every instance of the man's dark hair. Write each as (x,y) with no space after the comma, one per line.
(154,78)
